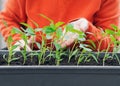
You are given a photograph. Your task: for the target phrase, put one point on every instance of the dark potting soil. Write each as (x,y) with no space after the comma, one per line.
(33,60)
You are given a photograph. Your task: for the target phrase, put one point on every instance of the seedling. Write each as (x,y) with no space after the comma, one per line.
(10,47)
(11,51)
(114,35)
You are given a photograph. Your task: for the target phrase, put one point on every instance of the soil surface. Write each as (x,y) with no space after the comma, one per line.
(34,60)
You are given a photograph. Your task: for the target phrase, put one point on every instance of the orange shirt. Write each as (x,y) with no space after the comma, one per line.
(99,13)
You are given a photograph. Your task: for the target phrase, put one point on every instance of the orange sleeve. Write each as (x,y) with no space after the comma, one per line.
(107,15)
(13,13)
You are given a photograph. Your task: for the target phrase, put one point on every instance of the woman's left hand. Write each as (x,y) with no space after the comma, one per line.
(81,25)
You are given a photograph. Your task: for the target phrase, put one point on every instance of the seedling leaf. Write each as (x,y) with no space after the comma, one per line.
(59,32)
(30,31)
(26,25)
(42,15)
(57,46)
(58,24)
(48,30)
(38,45)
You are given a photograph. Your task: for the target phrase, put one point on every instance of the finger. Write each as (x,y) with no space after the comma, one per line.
(21,45)
(81,24)
(70,41)
(67,43)
(31,40)
(25,46)
(17,49)
(66,37)
(28,48)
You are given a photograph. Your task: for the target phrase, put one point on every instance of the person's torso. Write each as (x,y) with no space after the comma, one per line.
(61,10)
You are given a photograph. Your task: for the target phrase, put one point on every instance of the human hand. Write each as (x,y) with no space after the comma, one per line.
(81,25)
(21,43)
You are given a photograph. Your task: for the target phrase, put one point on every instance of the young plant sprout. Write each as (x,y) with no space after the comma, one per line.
(114,34)
(10,47)
(11,51)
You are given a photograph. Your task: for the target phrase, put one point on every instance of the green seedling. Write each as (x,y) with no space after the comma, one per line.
(10,46)
(81,36)
(114,34)
(25,33)
(11,51)
(54,30)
